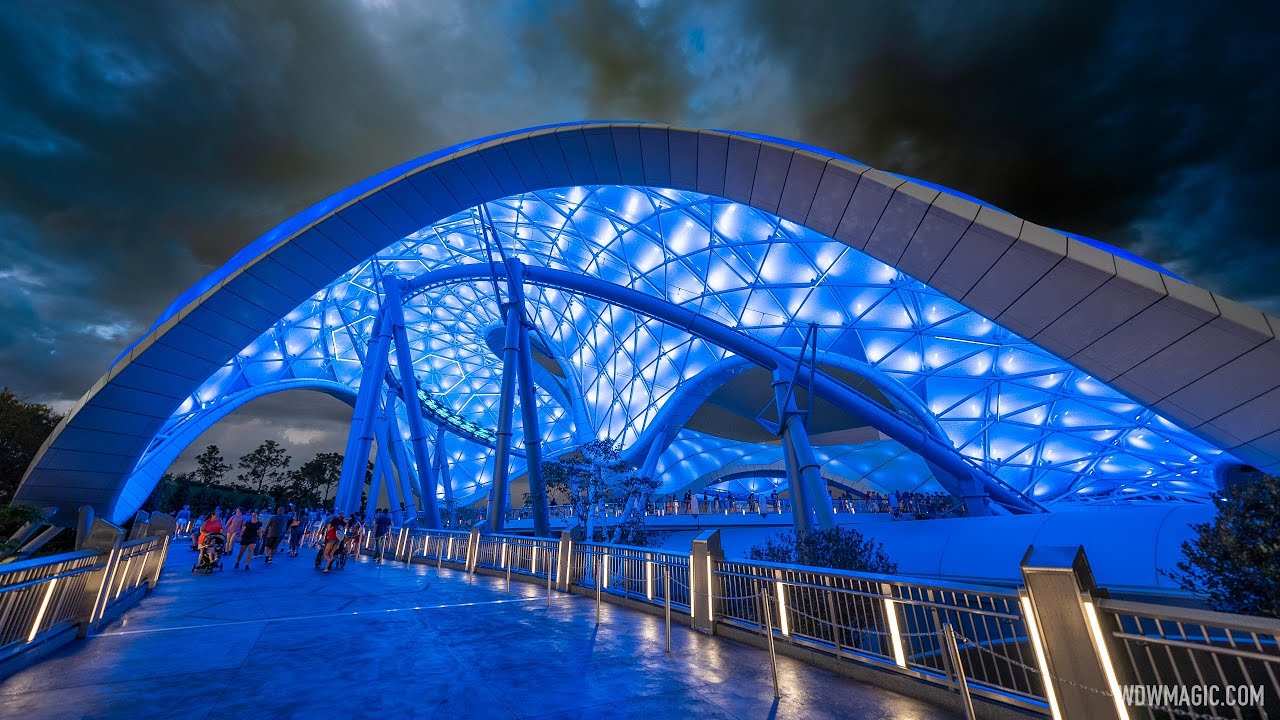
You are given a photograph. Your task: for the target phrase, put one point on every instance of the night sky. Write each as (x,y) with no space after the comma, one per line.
(143,143)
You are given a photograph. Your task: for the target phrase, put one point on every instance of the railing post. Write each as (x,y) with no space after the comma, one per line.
(564,562)
(666,600)
(473,550)
(1079,649)
(166,527)
(106,539)
(702,561)
(952,649)
(141,520)
(768,633)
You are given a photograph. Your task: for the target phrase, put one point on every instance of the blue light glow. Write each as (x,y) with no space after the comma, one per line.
(1029,417)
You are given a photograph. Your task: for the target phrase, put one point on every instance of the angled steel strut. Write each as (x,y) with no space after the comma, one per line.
(964,477)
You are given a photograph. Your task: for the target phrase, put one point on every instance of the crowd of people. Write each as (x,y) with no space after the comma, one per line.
(726,502)
(260,533)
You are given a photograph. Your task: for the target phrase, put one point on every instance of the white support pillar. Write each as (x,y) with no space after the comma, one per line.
(409,391)
(498,493)
(355,461)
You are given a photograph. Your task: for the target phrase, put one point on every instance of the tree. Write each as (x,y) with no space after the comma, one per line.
(12,518)
(840,548)
(264,467)
(593,476)
(320,472)
(1234,560)
(24,426)
(211,467)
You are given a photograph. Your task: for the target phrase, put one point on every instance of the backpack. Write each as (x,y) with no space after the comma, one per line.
(339,535)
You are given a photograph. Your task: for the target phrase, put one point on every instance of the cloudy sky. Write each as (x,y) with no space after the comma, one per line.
(143,143)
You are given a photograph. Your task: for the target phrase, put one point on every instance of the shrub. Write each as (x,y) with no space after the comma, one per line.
(1234,560)
(840,548)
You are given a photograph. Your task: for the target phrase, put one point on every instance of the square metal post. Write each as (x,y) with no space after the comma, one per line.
(702,585)
(106,539)
(564,562)
(1078,653)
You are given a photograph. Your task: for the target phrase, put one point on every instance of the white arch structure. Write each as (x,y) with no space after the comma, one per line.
(1171,381)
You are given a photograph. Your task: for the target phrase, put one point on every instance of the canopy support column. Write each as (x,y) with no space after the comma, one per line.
(382,469)
(355,461)
(506,408)
(810,503)
(441,463)
(528,410)
(409,392)
(400,454)
(398,460)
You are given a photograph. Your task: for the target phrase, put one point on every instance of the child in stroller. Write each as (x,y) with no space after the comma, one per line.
(209,544)
(210,558)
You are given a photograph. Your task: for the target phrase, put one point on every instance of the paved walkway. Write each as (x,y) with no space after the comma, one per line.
(283,641)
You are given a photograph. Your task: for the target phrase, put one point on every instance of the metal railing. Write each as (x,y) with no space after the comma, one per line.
(972,639)
(926,507)
(635,572)
(138,564)
(1175,647)
(521,554)
(889,621)
(42,597)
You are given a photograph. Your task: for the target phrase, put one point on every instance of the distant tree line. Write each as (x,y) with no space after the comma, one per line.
(265,479)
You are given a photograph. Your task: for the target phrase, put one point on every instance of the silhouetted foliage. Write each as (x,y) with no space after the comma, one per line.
(211,467)
(840,548)
(265,467)
(319,473)
(24,426)
(1234,560)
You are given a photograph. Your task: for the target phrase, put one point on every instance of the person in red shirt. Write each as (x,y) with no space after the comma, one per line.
(333,536)
(212,525)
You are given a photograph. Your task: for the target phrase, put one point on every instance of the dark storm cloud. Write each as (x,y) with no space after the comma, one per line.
(634,58)
(143,143)
(305,423)
(1148,125)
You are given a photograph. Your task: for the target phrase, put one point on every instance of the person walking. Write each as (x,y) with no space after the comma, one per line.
(183,519)
(333,535)
(232,529)
(297,526)
(381,531)
(277,526)
(249,535)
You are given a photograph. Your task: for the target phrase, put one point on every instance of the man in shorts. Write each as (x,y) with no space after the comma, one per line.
(277,526)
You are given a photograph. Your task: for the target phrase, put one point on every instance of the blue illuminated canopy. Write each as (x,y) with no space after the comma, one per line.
(1047,428)
(972,323)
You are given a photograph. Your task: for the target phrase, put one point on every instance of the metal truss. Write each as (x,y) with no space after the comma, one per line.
(1024,415)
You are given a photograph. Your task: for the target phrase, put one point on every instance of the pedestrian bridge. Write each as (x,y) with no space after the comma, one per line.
(448,623)
(412,641)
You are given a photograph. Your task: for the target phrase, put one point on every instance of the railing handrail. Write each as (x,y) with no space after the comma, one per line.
(49,578)
(634,548)
(32,563)
(1173,613)
(914,581)
(519,538)
(873,594)
(427,531)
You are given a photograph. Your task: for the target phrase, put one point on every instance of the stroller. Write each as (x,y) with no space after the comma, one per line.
(339,556)
(210,558)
